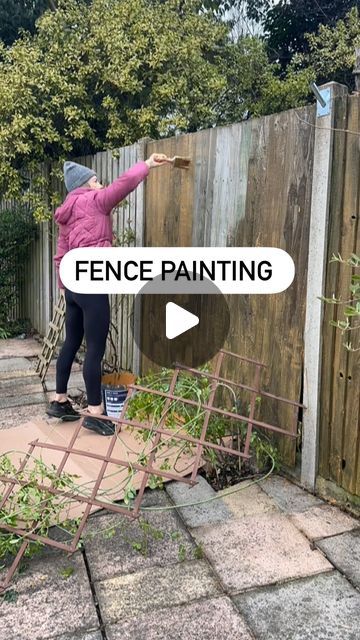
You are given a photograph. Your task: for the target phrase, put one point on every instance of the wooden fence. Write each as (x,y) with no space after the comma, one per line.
(249,184)
(232,196)
(339,447)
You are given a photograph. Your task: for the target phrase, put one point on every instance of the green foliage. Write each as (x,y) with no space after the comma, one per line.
(67,572)
(107,74)
(181,552)
(130,494)
(287,91)
(287,24)
(15,327)
(29,507)
(351,307)
(147,407)
(332,50)
(19,14)
(17,229)
(9,596)
(104,76)
(198,552)
(262,89)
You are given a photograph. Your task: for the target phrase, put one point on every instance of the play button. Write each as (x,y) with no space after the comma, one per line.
(178,320)
(189,328)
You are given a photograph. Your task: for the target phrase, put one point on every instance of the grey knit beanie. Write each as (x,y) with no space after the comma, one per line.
(76,175)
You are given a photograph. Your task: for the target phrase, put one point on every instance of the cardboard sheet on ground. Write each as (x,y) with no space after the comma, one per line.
(16,441)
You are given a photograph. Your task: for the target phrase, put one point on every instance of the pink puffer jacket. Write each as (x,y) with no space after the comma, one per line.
(84,217)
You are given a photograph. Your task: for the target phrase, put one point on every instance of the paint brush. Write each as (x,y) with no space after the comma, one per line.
(179,162)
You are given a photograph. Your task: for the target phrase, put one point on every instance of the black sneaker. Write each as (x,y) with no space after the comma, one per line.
(62,410)
(99,425)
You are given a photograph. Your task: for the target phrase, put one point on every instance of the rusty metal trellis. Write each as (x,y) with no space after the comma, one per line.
(158,433)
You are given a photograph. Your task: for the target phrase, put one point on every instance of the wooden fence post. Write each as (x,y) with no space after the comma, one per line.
(318,243)
(141,153)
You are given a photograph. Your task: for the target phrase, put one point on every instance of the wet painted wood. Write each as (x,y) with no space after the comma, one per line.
(233,196)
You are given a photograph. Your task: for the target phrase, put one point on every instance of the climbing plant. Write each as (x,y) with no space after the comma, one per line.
(349,323)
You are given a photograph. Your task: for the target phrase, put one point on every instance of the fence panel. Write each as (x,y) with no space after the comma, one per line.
(249,184)
(339,448)
(232,196)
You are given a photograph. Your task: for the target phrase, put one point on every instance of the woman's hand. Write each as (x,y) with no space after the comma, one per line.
(157,159)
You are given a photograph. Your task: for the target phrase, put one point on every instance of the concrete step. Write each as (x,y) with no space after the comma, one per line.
(15,367)
(22,400)
(15,416)
(32,384)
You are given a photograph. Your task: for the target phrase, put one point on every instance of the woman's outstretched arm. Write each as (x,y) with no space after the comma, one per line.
(108,197)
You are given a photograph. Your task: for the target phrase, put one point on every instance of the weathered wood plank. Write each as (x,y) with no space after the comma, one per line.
(331,279)
(270,328)
(356,378)
(352,423)
(237,199)
(340,363)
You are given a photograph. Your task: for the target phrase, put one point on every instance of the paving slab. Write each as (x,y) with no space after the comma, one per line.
(11,385)
(344,552)
(288,496)
(18,389)
(16,347)
(46,603)
(167,541)
(24,400)
(248,500)
(127,596)
(259,550)
(15,416)
(213,619)
(90,635)
(325,607)
(202,514)
(324,521)
(76,366)
(20,395)
(11,365)
(76,380)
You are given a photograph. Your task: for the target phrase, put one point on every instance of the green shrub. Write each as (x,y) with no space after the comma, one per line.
(147,407)
(17,230)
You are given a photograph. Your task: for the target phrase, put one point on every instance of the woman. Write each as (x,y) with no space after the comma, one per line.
(85,221)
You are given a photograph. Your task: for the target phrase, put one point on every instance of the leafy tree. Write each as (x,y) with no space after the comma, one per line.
(287,23)
(20,14)
(332,50)
(144,69)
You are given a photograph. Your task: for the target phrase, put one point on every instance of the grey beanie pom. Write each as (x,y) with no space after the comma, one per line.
(76,175)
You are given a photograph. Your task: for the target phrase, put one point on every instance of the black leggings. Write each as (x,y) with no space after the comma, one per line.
(89,314)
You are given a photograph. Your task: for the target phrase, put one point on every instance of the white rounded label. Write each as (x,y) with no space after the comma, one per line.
(177,269)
